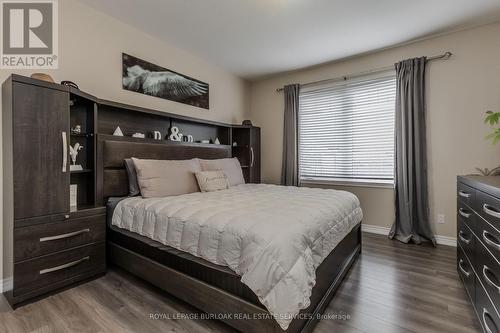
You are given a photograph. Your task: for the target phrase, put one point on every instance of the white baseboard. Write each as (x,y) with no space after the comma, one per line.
(5,284)
(374,229)
(445,240)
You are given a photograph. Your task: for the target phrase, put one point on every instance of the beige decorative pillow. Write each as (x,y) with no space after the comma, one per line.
(210,181)
(230,166)
(163,178)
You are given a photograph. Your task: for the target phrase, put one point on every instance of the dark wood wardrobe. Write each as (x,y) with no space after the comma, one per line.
(46,244)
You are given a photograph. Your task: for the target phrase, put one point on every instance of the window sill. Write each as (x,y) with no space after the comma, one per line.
(341,182)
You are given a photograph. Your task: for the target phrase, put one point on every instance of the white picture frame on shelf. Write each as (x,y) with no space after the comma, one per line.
(73,195)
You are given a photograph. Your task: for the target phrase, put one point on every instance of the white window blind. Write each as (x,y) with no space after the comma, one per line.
(346,130)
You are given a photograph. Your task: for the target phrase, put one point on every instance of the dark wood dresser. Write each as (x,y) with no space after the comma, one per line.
(47,244)
(478,249)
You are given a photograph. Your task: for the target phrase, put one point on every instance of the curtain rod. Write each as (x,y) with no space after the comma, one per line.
(443,56)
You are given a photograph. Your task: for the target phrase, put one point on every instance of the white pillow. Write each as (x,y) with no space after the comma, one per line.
(163,178)
(210,181)
(230,166)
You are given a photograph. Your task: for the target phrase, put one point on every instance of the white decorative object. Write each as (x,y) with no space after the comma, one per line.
(190,138)
(118,131)
(139,135)
(205,141)
(156,135)
(77,129)
(175,135)
(217,142)
(235,144)
(73,152)
(73,190)
(75,167)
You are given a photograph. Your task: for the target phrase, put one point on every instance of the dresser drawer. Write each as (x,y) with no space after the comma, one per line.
(47,238)
(466,194)
(486,312)
(488,271)
(488,207)
(489,236)
(466,239)
(467,215)
(37,273)
(466,273)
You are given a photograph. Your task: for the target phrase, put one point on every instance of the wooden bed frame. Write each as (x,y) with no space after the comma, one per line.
(112,181)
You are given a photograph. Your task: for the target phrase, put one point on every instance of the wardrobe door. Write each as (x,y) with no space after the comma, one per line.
(40,152)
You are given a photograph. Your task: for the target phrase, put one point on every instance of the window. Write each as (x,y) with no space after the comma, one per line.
(346,130)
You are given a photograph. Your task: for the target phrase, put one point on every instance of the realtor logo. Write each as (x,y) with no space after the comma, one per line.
(29,34)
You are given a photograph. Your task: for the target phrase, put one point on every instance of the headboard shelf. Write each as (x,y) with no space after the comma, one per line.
(111,104)
(131,121)
(165,142)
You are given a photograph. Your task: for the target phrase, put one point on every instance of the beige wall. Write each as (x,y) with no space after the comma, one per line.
(90,47)
(459,91)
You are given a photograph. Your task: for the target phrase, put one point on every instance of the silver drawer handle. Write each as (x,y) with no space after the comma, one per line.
(490,210)
(462,238)
(64,152)
(486,238)
(491,283)
(68,235)
(486,327)
(68,265)
(462,212)
(463,194)
(467,274)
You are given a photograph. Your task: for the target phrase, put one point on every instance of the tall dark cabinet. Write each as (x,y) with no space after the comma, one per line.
(478,248)
(46,245)
(246,147)
(39,133)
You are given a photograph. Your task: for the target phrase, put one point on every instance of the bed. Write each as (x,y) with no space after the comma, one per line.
(211,264)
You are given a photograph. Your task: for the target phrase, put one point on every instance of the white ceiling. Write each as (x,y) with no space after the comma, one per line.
(254,38)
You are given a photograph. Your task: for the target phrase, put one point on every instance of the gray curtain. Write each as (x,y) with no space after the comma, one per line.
(412,207)
(290,164)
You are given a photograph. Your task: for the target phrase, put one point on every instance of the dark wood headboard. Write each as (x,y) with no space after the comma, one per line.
(112,177)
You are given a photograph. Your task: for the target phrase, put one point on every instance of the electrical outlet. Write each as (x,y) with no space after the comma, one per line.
(441,219)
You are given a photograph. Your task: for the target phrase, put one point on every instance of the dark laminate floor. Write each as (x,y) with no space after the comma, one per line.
(392,288)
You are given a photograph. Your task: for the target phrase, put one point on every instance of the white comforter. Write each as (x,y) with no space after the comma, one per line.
(274,237)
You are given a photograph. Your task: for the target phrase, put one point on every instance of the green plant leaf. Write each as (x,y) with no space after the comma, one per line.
(492,118)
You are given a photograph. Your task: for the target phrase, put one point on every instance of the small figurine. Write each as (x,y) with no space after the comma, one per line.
(77,129)
(118,131)
(73,152)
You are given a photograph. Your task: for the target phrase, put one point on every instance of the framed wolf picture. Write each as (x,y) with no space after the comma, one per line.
(146,78)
